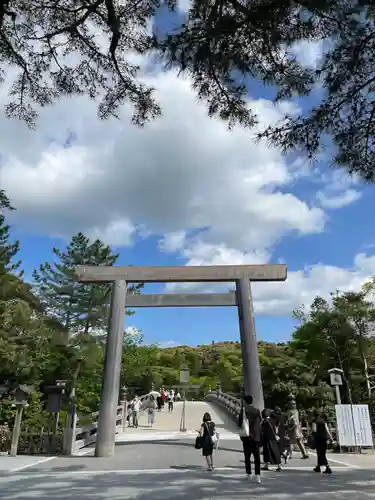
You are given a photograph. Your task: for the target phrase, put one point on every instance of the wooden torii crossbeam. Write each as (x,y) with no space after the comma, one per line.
(120,276)
(182,300)
(178,274)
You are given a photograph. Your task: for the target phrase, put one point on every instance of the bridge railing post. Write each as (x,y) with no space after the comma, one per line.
(70,430)
(123,404)
(231,404)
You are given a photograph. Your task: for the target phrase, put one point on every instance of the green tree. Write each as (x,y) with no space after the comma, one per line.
(37,36)
(78,307)
(285,371)
(360,314)
(327,340)
(4,201)
(15,294)
(222,44)
(8,250)
(225,44)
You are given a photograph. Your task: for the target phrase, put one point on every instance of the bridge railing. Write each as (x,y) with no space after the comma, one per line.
(77,436)
(230,404)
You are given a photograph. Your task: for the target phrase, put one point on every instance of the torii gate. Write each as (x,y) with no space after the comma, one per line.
(120,276)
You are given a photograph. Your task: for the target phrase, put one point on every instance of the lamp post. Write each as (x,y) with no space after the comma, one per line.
(4,388)
(335,375)
(21,395)
(184,380)
(336,380)
(54,393)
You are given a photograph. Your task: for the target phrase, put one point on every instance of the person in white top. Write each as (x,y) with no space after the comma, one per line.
(136,408)
(170,401)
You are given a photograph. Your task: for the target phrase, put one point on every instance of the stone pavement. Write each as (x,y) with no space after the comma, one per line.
(160,465)
(173,469)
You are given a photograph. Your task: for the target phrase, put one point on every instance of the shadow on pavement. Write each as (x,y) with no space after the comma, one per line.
(192,485)
(179,442)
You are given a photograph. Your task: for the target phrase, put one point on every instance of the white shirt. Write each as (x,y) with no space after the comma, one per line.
(137,404)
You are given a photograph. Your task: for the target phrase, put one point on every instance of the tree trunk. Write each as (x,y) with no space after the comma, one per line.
(364,359)
(347,383)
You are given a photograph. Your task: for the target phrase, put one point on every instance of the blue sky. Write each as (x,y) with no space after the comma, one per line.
(185,190)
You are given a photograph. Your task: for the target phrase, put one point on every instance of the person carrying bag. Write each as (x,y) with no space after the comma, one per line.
(208,441)
(249,422)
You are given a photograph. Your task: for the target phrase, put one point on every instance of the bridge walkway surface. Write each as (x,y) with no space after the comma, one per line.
(162,464)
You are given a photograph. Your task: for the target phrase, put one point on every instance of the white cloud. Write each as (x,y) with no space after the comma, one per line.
(210,195)
(300,287)
(169,343)
(184,5)
(338,201)
(134,333)
(340,189)
(172,242)
(183,172)
(308,53)
(117,232)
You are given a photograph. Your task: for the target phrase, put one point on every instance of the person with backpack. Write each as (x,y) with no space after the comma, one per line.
(249,422)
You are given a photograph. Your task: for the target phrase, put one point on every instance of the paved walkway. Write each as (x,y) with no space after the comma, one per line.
(170,421)
(174,470)
(162,464)
(167,424)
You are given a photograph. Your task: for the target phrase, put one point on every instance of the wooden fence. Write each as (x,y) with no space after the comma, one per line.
(75,435)
(78,436)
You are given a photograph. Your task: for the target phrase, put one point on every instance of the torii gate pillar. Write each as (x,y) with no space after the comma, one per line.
(249,345)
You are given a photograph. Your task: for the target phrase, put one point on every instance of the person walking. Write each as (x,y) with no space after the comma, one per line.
(208,434)
(271,449)
(163,397)
(321,436)
(249,422)
(136,409)
(159,401)
(284,441)
(170,401)
(151,411)
(294,432)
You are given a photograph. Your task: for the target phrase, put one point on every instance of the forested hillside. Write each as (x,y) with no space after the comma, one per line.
(53,330)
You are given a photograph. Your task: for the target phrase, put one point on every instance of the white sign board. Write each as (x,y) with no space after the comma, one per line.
(354,425)
(362,425)
(345,426)
(184,376)
(336,379)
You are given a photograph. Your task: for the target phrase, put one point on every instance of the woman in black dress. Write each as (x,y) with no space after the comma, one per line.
(271,449)
(207,430)
(321,436)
